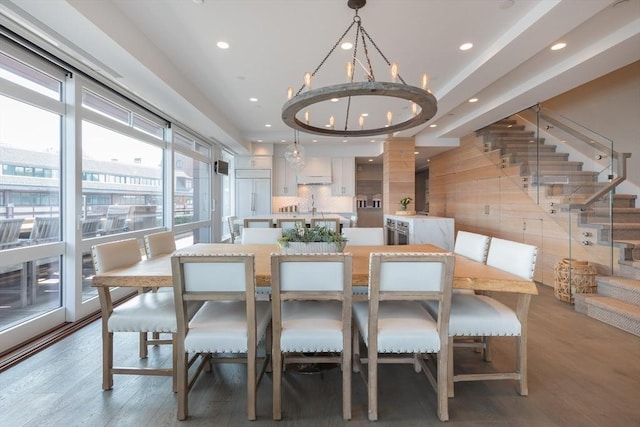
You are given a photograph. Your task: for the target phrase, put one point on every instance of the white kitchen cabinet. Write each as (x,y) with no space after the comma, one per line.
(284,179)
(253,193)
(343,176)
(253,162)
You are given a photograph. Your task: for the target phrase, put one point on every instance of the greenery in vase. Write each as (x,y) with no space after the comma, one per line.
(404,202)
(313,234)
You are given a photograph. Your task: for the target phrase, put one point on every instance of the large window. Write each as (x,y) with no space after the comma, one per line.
(192,186)
(31,113)
(122,170)
(82,165)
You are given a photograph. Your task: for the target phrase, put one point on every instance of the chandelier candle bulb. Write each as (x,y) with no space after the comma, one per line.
(389,118)
(289,92)
(306,116)
(425,81)
(414,108)
(394,72)
(361,122)
(349,72)
(332,121)
(307,80)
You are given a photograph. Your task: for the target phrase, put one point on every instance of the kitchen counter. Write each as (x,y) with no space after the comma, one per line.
(428,229)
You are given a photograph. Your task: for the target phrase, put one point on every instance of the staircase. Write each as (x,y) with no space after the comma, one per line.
(617,301)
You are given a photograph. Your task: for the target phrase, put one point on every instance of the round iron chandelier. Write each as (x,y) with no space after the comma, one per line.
(295,111)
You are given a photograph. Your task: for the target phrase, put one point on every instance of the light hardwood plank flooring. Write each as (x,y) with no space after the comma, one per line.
(581,373)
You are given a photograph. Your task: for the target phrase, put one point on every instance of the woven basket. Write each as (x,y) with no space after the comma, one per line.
(311,247)
(574,277)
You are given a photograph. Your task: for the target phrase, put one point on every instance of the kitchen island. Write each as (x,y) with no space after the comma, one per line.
(420,229)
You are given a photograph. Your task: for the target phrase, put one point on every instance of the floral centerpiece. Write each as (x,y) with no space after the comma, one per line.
(315,239)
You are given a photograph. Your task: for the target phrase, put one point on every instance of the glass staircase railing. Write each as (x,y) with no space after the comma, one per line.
(570,171)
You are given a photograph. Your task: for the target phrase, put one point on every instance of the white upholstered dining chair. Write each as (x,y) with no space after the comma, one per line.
(229,324)
(483,316)
(394,325)
(146,312)
(331,224)
(472,245)
(261,235)
(364,236)
(155,245)
(289,223)
(257,223)
(311,306)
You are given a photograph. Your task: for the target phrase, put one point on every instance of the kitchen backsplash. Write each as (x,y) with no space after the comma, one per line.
(318,196)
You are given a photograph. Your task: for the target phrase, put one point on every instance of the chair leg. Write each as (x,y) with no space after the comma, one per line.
(182,379)
(443,382)
(487,349)
(174,357)
(251,383)
(355,336)
(346,383)
(372,388)
(276,358)
(450,390)
(143,345)
(107,359)
(521,354)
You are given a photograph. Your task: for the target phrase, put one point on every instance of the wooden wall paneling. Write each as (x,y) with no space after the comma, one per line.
(465,180)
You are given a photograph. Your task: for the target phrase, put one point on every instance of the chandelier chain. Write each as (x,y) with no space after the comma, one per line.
(380,52)
(328,54)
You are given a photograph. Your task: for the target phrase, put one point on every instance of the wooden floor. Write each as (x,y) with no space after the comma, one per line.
(581,373)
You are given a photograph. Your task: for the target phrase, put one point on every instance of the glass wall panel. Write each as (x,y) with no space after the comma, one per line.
(121,182)
(30,193)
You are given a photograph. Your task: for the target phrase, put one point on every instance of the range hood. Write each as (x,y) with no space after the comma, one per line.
(317,170)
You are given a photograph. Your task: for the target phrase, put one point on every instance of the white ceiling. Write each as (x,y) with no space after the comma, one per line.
(164,51)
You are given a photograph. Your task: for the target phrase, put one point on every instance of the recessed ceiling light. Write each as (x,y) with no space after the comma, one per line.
(335,99)
(267,125)
(466,46)
(253,99)
(558,46)
(365,114)
(198,1)
(223,45)
(283,140)
(473,100)
(344,140)
(346,45)
(314,140)
(371,160)
(433,125)
(373,140)
(259,140)
(416,152)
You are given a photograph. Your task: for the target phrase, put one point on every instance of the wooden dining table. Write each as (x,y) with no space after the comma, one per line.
(468,274)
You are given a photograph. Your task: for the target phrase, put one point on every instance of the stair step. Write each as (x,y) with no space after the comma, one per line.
(614,312)
(517,138)
(531,157)
(578,191)
(619,201)
(624,230)
(508,132)
(627,290)
(620,215)
(630,269)
(566,177)
(506,125)
(550,166)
